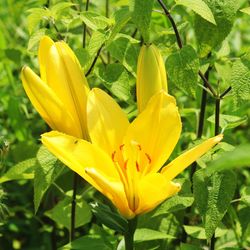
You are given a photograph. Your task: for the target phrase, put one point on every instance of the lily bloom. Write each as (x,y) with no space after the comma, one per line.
(151,75)
(60,94)
(124,160)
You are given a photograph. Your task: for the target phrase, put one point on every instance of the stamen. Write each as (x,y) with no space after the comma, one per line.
(113,156)
(137,166)
(139,146)
(148,157)
(121,147)
(76,141)
(125,164)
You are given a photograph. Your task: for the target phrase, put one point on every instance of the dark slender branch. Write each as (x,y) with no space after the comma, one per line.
(179,42)
(73,207)
(59,36)
(217,116)
(225,92)
(134,33)
(107,15)
(178,37)
(94,62)
(84,35)
(129,235)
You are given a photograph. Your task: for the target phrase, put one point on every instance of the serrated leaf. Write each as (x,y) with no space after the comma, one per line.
(210,36)
(124,50)
(240,81)
(182,67)
(213,195)
(61,213)
(145,234)
(141,15)
(47,171)
(199,7)
(229,121)
(95,21)
(20,171)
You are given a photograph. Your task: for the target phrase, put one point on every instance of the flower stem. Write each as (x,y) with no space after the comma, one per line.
(129,235)
(84,34)
(73,208)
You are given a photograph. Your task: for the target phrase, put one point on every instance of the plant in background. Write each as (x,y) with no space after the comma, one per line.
(124,160)
(151,75)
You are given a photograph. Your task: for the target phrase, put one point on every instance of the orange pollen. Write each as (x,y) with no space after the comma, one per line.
(137,166)
(113,156)
(121,147)
(148,157)
(125,164)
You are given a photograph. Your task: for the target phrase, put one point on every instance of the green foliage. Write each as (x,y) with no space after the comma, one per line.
(182,67)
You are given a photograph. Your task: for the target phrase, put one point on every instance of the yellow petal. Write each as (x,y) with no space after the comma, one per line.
(65,77)
(112,190)
(47,103)
(152,190)
(79,154)
(107,123)
(156,130)
(184,160)
(151,75)
(43,53)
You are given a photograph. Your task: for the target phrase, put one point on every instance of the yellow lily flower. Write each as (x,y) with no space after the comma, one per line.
(151,75)
(60,95)
(123,159)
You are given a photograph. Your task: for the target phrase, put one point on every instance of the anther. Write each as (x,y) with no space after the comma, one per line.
(113,156)
(139,146)
(148,157)
(76,141)
(121,147)
(137,166)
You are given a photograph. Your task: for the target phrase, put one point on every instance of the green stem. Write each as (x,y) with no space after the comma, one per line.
(129,235)
(73,208)
(85,27)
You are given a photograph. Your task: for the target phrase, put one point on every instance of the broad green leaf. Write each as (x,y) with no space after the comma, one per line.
(180,201)
(89,242)
(141,16)
(229,121)
(109,218)
(61,213)
(240,81)
(20,171)
(124,49)
(95,21)
(185,246)
(237,158)
(246,10)
(57,9)
(182,67)
(213,195)
(116,79)
(199,7)
(209,35)
(121,17)
(145,234)
(48,169)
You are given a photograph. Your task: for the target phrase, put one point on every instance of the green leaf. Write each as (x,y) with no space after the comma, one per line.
(95,21)
(182,67)
(124,49)
(185,246)
(240,80)
(237,158)
(213,195)
(246,10)
(88,242)
(109,218)
(229,121)
(47,171)
(180,201)
(22,170)
(199,7)
(210,36)
(141,16)
(116,79)
(61,213)
(145,234)
(57,9)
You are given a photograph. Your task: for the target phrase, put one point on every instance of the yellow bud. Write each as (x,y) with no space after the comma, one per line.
(151,75)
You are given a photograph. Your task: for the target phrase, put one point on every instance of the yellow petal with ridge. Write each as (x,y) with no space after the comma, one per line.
(48,105)
(176,166)
(157,130)
(152,190)
(107,123)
